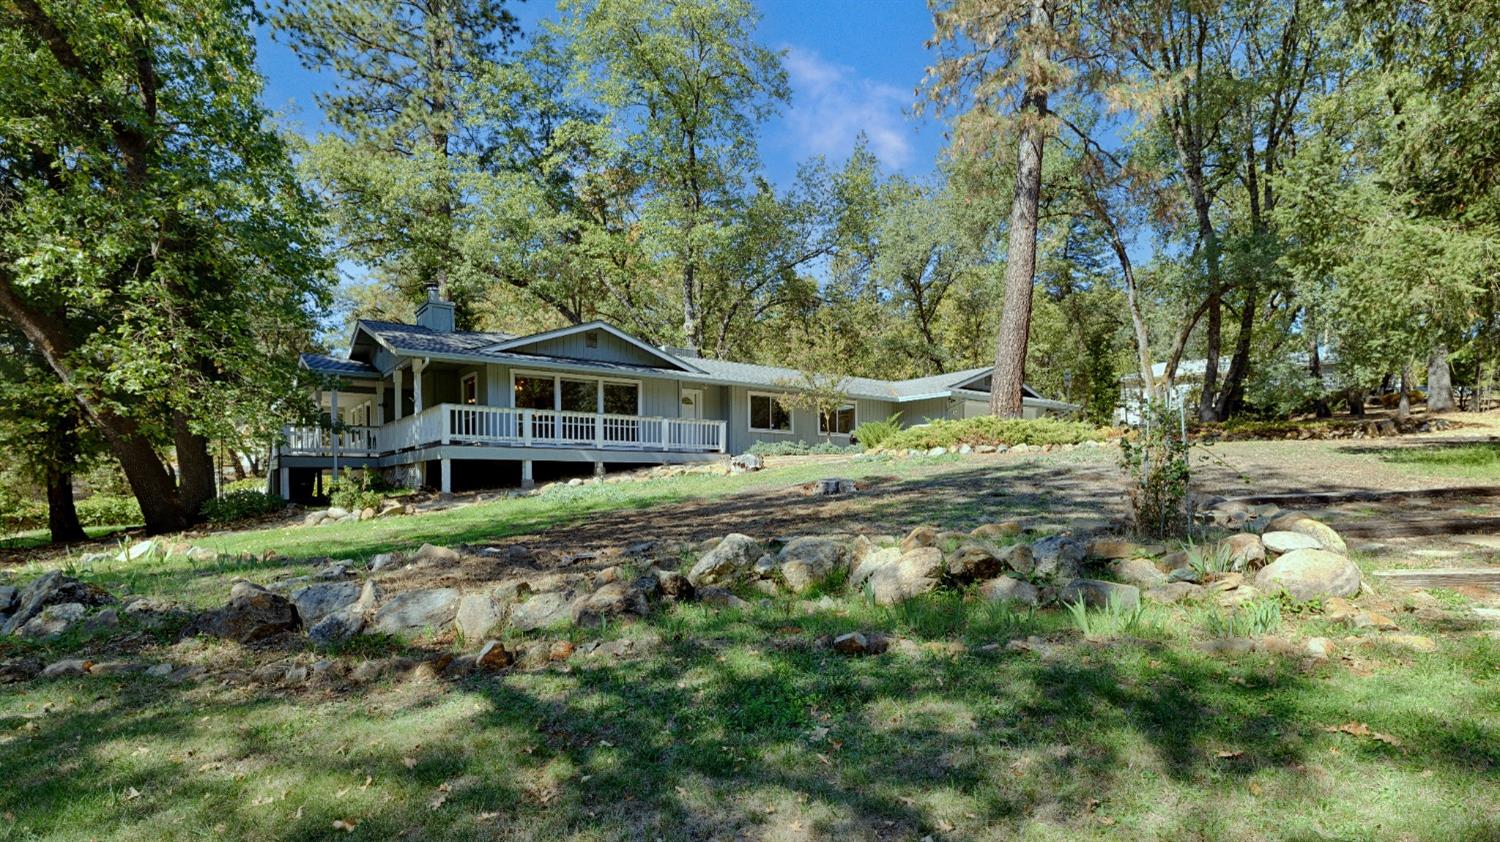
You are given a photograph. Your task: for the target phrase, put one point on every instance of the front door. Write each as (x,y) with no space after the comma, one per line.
(692,404)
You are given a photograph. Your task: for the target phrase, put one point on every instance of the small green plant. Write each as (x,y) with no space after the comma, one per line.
(1155,458)
(1253,619)
(1216,557)
(1002,619)
(357,490)
(872,434)
(240,505)
(797,448)
(1113,619)
(929,616)
(989,429)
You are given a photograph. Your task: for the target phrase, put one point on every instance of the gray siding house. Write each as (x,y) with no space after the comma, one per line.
(434,406)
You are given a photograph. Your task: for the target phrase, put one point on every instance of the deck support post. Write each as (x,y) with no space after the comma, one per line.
(397,375)
(333,435)
(284,480)
(599,470)
(527,480)
(446,466)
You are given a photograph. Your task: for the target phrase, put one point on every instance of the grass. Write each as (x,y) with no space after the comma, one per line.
(1467,461)
(34,538)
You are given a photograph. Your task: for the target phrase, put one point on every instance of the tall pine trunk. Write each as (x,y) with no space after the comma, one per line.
(1439,381)
(1020,255)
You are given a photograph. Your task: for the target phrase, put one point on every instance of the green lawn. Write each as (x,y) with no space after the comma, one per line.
(34,538)
(739,724)
(1480,462)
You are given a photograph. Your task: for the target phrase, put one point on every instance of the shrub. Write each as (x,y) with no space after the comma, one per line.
(1112,620)
(1211,558)
(108,510)
(988,429)
(357,490)
(872,434)
(19,514)
(1254,618)
(1155,459)
(798,448)
(246,484)
(239,505)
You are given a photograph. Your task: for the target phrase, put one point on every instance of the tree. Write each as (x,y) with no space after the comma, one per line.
(1008,60)
(41,431)
(685,86)
(152,234)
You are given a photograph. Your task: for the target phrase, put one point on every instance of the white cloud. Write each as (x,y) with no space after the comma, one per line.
(832,104)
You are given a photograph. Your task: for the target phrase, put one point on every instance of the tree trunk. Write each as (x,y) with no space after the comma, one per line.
(1231,395)
(236,464)
(195,467)
(1355,400)
(1207,406)
(1403,406)
(62,514)
(1315,368)
(1020,255)
(1439,381)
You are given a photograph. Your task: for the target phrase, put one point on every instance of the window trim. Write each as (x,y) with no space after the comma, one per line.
(852,407)
(791,417)
(557,378)
(462,381)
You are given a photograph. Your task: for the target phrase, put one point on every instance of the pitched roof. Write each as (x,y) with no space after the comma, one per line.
(324,364)
(416,339)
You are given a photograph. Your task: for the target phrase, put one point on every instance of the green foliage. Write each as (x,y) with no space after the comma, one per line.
(1253,619)
(1155,459)
(241,505)
(108,510)
(801,448)
(873,434)
(988,429)
(357,490)
(1114,619)
(930,616)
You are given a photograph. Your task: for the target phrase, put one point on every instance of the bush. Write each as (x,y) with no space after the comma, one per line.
(108,510)
(357,490)
(239,505)
(872,434)
(798,448)
(987,429)
(246,484)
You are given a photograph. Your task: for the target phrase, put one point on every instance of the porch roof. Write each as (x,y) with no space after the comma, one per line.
(339,367)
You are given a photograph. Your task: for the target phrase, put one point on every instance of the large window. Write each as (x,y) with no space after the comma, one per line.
(468,389)
(768,415)
(577,394)
(840,422)
(580,395)
(622,398)
(535,392)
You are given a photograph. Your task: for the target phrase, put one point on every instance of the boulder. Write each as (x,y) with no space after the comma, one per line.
(1243,551)
(1174,592)
(1057,558)
(1283,521)
(1310,574)
(23,668)
(435,554)
(252,613)
(1322,533)
(336,628)
(720,598)
(1096,593)
(52,588)
(673,585)
(1110,549)
(810,559)
(427,609)
(1018,557)
(52,621)
(851,643)
(315,602)
(872,562)
(976,559)
(541,611)
(1138,572)
(479,615)
(9,596)
(1414,642)
(493,656)
(1285,541)
(834,486)
(915,572)
(746,463)
(991,531)
(67,668)
(1008,589)
(615,599)
(734,555)
(922,536)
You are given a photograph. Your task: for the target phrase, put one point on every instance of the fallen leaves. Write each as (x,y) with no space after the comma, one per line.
(1360,729)
(346,825)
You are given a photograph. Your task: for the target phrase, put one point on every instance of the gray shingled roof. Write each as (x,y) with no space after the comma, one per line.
(420,340)
(324,364)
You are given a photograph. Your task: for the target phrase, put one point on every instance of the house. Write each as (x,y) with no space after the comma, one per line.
(1187,384)
(431,405)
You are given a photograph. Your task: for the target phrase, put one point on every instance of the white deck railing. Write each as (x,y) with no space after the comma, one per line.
(503,426)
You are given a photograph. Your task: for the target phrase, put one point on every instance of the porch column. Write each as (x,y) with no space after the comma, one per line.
(417,367)
(397,375)
(526,479)
(284,477)
(333,435)
(378,418)
(599,470)
(447,476)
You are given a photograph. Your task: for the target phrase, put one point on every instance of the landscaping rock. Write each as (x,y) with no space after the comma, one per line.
(9,596)
(1285,542)
(1243,551)
(915,572)
(977,559)
(1057,558)
(872,562)
(810,559)
(1138,572)
(616,599)
(105,621)
(493,656)
(835,486)
(746,463)
(541,611)
(1320,532)
(337,627)
(428,609)
(52,588)
(1283,521)
(383,561)
(1008,589)
(66,668)
(720,598)
(851,643)
(922,536)
(1414,642)
(734,555)
(1110,549)
(1018,557)
(52,621)
(252,613)
(673,585)
(992,531)
(23,668)
(1319,647)
(315,602)
(1306,575)
(479,615)
(1096,593)
(434,554)
(1174,592)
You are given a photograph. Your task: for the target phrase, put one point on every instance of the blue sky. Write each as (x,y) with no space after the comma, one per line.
(853,65)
